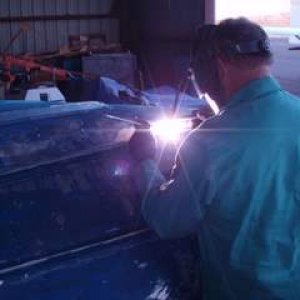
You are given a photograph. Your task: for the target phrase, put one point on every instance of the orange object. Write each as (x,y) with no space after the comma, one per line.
(30,64)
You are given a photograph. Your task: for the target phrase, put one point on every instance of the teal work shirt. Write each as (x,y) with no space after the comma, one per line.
(238,188)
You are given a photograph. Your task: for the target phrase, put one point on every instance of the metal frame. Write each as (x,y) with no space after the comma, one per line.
(57,18)
(210,12)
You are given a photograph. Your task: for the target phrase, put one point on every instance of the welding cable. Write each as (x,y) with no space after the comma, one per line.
(182,87)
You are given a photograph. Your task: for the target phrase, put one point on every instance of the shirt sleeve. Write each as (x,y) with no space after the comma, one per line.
(175,208)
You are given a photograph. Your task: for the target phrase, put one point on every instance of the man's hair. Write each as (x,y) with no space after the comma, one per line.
(231,33)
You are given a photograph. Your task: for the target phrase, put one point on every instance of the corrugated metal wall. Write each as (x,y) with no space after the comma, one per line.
(50,35)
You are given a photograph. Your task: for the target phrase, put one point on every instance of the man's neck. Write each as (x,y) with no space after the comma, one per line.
(242,78)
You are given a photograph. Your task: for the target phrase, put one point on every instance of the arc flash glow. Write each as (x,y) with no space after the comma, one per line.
(170,130)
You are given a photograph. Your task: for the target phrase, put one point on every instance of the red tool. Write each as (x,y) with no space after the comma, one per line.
(29,64)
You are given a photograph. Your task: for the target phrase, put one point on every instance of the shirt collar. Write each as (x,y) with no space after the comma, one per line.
(253,90)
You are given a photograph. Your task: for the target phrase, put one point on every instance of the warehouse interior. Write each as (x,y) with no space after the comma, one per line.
(79,79)
(150,39)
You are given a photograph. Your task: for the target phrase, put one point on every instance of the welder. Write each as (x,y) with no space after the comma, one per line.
(236,184)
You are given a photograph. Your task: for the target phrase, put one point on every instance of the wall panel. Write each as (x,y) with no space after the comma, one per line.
(162,33)
(50,35)
(5,33)
(62,26)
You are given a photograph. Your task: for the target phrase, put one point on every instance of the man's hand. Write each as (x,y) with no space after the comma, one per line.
(142,145)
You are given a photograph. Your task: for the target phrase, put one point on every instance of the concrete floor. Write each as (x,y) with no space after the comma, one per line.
(286,67)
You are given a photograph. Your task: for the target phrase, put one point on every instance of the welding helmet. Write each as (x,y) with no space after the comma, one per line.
(230,39)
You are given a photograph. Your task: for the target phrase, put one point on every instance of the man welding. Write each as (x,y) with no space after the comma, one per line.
(237,182)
